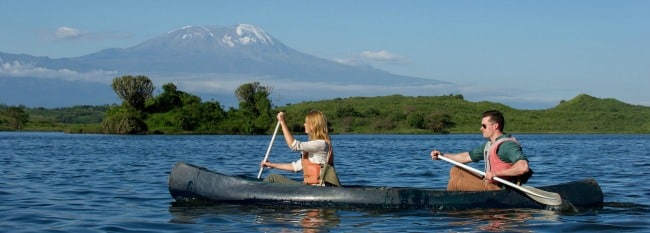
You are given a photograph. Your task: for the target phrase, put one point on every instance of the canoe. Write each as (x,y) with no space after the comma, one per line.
(189,182)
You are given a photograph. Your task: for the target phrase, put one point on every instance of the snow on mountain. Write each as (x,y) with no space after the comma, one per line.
(242,35)
(247,34)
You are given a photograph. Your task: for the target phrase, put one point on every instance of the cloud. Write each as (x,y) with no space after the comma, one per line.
(17,69)
(69,33)
(372,58)
(382,56)
(348,61)
(66,33)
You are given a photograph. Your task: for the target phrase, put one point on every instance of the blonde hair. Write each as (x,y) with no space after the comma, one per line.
(317,121)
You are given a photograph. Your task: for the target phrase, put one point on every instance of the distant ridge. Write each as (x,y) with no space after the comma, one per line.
(586,102)
(395,114)
(390,114)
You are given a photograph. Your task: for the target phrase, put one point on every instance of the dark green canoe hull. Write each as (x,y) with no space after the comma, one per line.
(189,182)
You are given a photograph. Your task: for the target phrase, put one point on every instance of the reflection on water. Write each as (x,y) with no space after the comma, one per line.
(290,219)
(297,219)
(314,220)
(495,220)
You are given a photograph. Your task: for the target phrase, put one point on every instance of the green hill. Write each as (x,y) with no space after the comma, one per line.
(397,114)
(391,114)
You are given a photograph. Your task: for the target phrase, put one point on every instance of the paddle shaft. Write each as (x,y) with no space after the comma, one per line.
(520,188)
(268,150)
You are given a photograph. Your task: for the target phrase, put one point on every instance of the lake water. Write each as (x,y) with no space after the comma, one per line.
(55,182)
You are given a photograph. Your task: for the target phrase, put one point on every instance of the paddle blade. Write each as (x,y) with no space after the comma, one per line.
(544,197)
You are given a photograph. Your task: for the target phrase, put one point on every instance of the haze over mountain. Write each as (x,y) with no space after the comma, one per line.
(210,62)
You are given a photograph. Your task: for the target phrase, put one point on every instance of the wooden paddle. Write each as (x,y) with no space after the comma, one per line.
(269,149)
(541,196)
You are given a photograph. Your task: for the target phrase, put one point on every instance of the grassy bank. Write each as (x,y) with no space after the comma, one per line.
(395,115)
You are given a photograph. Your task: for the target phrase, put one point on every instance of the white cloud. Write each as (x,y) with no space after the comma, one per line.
(373,58)
(70,33)
(292,91)
(64,33)
(16,70)
(348,61)
(381,56)
(217,83)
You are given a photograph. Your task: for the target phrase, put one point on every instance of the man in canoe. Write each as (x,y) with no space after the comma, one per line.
(317,156)
(502,154)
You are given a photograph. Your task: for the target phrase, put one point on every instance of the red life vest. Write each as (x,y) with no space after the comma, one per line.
(495,163)
(310,171)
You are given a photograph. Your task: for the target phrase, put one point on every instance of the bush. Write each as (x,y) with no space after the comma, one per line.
(123,120)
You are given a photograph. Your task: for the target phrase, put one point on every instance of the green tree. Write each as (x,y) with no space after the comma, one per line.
(189,116)
(212,117)
(254,107)
(347,111)
(175,111)
(134,91)
(123,120)
(438,122)
(415,120)
(16,117)
(168,100)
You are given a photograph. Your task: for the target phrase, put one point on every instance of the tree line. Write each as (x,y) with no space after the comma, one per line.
(174,111)
(177,112)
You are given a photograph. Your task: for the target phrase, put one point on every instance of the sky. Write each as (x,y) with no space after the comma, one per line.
(528,54)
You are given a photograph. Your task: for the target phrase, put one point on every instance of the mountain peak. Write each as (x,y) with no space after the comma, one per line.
(247,34)
(231,37)
(192,32)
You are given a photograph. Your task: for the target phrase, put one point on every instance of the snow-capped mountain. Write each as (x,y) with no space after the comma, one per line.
(207,61)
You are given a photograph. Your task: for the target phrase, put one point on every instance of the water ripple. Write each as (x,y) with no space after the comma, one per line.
(54,182)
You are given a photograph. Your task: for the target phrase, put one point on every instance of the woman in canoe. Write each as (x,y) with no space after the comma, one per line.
(317,157)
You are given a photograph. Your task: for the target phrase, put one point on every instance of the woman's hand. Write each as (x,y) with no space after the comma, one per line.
(280,116)
(266,164)
(435,154)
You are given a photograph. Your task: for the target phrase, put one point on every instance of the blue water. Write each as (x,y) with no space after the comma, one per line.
(55,182)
